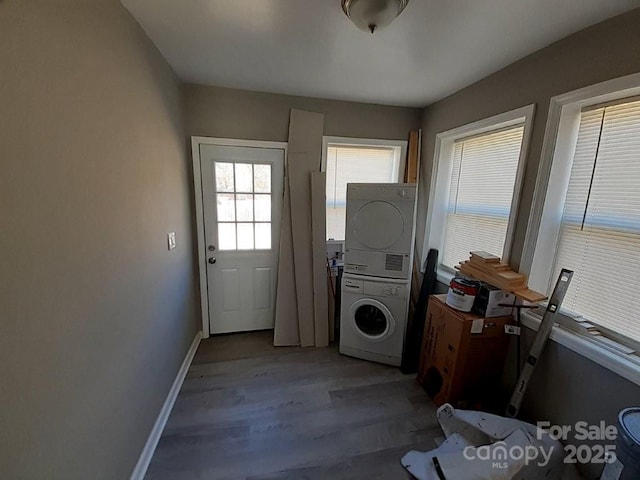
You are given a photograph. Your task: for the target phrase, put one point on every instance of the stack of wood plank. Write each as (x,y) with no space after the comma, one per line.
(488,268)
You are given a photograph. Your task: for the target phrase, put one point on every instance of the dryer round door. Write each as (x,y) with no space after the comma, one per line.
(378,225)
(372,319)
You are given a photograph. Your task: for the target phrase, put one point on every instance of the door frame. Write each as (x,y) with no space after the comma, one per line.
(196,142)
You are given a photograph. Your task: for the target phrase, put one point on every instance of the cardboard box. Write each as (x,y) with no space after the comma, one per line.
(488,300)
(462,355)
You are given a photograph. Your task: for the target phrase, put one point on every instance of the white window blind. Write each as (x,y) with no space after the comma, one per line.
(480,194)
(355,164)
(600,231)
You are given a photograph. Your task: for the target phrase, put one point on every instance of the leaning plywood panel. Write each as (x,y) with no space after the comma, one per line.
(413,158)
(319,245)
(286,319)
(304,154)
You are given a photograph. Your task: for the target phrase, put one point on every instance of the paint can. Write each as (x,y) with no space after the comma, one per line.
(627,465)
(462,293)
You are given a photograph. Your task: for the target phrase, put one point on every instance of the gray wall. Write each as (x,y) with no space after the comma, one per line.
(96,314)
(229,113)
(566,386)
(569,388)
(604,51)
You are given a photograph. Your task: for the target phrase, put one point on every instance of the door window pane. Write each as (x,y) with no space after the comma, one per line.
(245,236)
(226,208)
(244,207)
(244,177)
(262,178)
(239,210)
(263,236)
(227,236)
(263,208)
(224,177)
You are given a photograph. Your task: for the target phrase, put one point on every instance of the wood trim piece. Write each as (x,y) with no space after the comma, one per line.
(411,172)
(319,244)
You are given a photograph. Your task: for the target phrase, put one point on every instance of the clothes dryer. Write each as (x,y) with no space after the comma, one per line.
(379,234)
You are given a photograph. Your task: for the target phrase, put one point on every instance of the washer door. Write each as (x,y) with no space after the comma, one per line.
(378,225)
(372,319)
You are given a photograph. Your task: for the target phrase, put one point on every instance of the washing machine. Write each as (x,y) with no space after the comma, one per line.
(380,229)
(373,318)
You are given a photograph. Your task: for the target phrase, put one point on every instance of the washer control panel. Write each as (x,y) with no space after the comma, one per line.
(380,289)
(352,285)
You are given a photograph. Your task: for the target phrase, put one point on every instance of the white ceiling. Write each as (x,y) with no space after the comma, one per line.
(310,48)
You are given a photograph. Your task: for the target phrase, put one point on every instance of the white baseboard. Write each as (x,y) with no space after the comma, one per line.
(152,442)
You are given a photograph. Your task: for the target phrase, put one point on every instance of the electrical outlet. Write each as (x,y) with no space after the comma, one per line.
(171,239)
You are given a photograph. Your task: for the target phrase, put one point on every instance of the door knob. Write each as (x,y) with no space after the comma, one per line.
(212,260)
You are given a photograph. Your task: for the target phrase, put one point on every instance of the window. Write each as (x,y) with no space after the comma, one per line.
(600,228)
(480,193)
(243,205)
(590,220)
(475,187)
(356,161)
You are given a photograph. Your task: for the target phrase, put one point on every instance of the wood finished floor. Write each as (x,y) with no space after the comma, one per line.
(249,411)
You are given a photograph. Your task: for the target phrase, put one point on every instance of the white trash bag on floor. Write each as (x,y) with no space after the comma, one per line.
(482,446)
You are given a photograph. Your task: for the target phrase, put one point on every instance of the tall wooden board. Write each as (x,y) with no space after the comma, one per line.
(285,331)
(304,155)
(319,245)
(413,156)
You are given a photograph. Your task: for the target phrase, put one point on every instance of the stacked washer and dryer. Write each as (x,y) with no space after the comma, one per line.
(378,261)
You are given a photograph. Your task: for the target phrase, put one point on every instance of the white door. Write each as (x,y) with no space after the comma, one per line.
(242,190)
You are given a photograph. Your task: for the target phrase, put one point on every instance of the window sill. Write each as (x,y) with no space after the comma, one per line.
(444,276)
(619,363)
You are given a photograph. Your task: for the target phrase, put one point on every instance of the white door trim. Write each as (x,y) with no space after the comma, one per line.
(196,142)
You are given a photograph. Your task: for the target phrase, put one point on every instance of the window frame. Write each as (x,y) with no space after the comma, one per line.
(365,142)
(543,228)
(435,225)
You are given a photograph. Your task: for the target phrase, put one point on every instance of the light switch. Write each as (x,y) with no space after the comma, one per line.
(171,238)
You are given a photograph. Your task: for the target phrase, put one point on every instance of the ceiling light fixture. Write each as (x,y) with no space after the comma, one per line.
(372,15)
